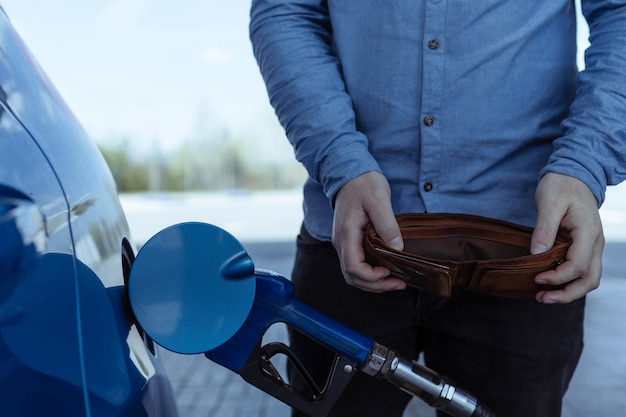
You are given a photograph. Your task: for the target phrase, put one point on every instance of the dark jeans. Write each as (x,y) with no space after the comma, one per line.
(516,356)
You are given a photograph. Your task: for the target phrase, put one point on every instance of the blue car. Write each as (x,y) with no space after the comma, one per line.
(69,344)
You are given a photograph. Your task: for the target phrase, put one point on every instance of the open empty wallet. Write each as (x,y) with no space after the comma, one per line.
(443,251)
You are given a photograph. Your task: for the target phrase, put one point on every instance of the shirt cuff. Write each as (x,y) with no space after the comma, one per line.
(580,172)
(343,162)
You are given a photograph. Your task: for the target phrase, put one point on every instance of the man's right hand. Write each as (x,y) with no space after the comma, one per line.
(365,199)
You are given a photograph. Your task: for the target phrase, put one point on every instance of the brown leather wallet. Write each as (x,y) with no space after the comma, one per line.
(442,251)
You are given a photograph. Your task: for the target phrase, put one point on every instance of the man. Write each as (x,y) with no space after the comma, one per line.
(476,107)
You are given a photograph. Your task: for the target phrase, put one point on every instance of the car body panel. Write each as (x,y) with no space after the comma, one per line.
(68,342)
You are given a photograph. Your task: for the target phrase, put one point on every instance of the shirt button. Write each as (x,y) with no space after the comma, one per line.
(429,120)
(433,44)
(428,186)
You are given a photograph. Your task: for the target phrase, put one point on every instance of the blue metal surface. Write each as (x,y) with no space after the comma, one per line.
(68,342)
(191,287)
(43,309)
(22,231)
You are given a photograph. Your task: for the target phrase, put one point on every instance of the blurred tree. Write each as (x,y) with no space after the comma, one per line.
(130,175)
(215,163)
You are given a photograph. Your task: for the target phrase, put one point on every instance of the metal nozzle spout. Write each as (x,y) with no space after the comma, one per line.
(423,383)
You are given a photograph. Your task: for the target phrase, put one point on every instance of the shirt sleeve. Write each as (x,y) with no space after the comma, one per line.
(292,43)
(593,147)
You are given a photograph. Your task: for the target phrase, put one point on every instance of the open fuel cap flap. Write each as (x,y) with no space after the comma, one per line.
(191,287)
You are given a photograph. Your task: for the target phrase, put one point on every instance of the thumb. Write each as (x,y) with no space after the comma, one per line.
(544,233)
(396,243)
(389,231)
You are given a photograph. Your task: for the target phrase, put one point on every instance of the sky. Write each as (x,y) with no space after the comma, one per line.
(154,71)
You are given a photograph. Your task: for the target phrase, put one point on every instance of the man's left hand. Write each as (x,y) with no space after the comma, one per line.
(566,202)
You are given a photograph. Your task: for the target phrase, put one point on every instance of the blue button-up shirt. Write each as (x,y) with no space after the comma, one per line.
(461,104)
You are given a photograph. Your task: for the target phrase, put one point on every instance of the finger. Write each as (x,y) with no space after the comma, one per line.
(575,289)
(348,243)
(578,261)
(380,285)
(359,273)
(387,228)
(582,270)
(585,250)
